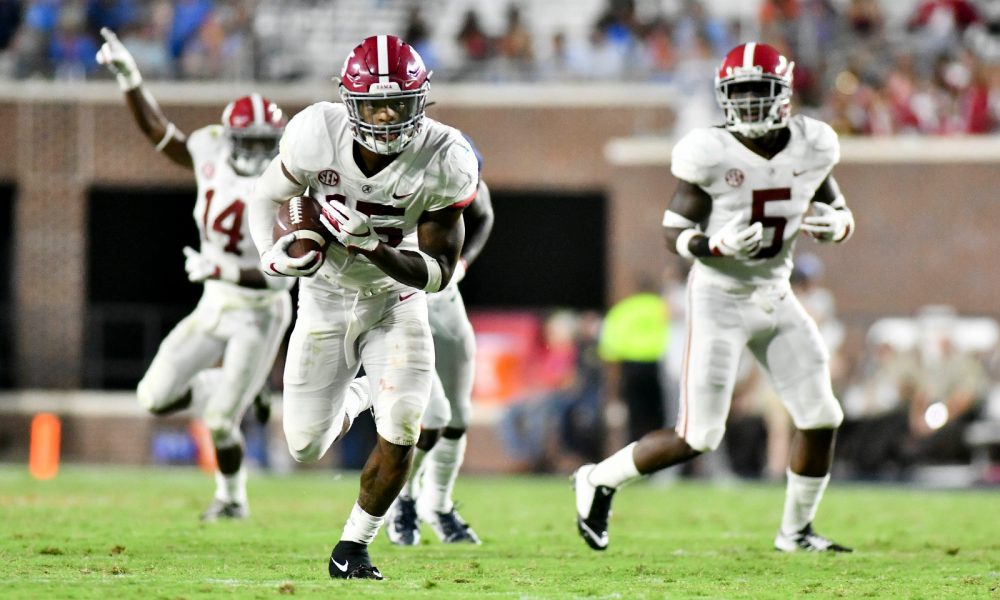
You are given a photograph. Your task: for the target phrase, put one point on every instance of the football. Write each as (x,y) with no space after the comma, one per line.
(300,215)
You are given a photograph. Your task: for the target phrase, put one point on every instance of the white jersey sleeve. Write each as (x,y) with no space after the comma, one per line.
(307,145)
(697,156)
(453,175)
(823,143)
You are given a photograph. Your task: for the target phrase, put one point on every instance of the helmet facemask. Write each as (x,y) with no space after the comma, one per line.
(754,104)
(385,122)
(253,149)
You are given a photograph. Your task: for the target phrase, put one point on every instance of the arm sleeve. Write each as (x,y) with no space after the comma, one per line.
(271,189)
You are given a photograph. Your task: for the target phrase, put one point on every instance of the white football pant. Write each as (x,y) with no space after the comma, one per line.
(723,318)
(455,361)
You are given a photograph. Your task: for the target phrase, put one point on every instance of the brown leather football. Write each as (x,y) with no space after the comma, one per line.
(300,215)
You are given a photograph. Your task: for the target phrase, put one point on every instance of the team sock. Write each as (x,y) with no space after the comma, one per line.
(361,527)
(617,469)
(802,496)
(231,488)
(443,463)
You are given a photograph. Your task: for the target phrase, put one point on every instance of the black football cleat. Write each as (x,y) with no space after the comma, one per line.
(225,509)
(349,560)
(401,523)
(807,540)
(593,508)
(452,528)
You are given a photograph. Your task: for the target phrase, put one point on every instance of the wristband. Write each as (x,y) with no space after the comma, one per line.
(433,273)
(228,272)
(130,81)
(167,136)
(684,243)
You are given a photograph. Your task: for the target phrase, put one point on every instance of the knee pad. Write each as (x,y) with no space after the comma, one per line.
(401,423)
(704,440)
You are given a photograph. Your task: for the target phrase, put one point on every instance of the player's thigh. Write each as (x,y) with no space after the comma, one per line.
(315,380)
(398,355)
(438,412)
(715,340)
(250,351)
(455,354)
(798,363)
(187,349)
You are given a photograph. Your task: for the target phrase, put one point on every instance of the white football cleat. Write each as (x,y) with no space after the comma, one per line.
(806,540)
(593,508)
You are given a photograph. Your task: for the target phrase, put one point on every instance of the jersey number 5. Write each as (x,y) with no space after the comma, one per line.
(760,200)
(392,235)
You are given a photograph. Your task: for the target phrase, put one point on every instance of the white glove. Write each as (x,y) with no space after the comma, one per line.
(828,224)
(199,268)
(350,227)
(119,61)
(276,261)
(734,240)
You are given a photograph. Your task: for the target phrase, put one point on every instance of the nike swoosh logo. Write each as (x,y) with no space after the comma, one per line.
(797,173)
(403,297)
(341,568)
(401,196)
(605,491)
(601,540)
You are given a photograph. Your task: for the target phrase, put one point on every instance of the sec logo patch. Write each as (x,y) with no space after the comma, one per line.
(734,177)
(328,177)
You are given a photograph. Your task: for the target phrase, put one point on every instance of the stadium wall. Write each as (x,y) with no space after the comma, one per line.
(922,205)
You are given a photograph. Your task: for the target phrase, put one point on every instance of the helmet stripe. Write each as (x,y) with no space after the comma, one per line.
(749,49)
(258,109)
(382,51)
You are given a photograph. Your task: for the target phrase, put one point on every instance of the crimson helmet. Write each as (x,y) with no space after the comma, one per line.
(384,85)
(753,87)
(254,124)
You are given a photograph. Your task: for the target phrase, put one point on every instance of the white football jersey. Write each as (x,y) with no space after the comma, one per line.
(221,208)
(436,170)
(776,192)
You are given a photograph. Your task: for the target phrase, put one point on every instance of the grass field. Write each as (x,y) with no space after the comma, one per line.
(115,533)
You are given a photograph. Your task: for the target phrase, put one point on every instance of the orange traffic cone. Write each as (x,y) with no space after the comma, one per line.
(203,441)
(43,459)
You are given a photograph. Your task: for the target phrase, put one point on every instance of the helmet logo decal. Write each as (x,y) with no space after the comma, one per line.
(329,177)
(734,177)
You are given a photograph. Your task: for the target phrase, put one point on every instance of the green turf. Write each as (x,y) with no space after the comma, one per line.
(116,533)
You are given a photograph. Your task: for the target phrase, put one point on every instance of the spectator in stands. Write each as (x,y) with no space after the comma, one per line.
(72,49)
(116,15)
(951,388)
(147,41)
(189,15)
(418,33)
(31,42)
(10,20)
(222,49)
(937,25)
(876,407)
(515,47)
(556,66)
(477,47)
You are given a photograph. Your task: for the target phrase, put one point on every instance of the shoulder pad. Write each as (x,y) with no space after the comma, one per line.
(457,170)
(695,154)
(206,139)
(306,144)
(822,139)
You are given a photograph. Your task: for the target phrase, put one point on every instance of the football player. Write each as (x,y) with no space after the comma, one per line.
(440,449)
(393,184)
(746,190)
(243,313)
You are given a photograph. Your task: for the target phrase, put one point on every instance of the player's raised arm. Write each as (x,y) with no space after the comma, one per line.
(158,129)
(832,220)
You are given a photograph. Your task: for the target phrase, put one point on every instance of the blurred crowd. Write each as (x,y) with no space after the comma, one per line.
(910,390)
(862,65)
